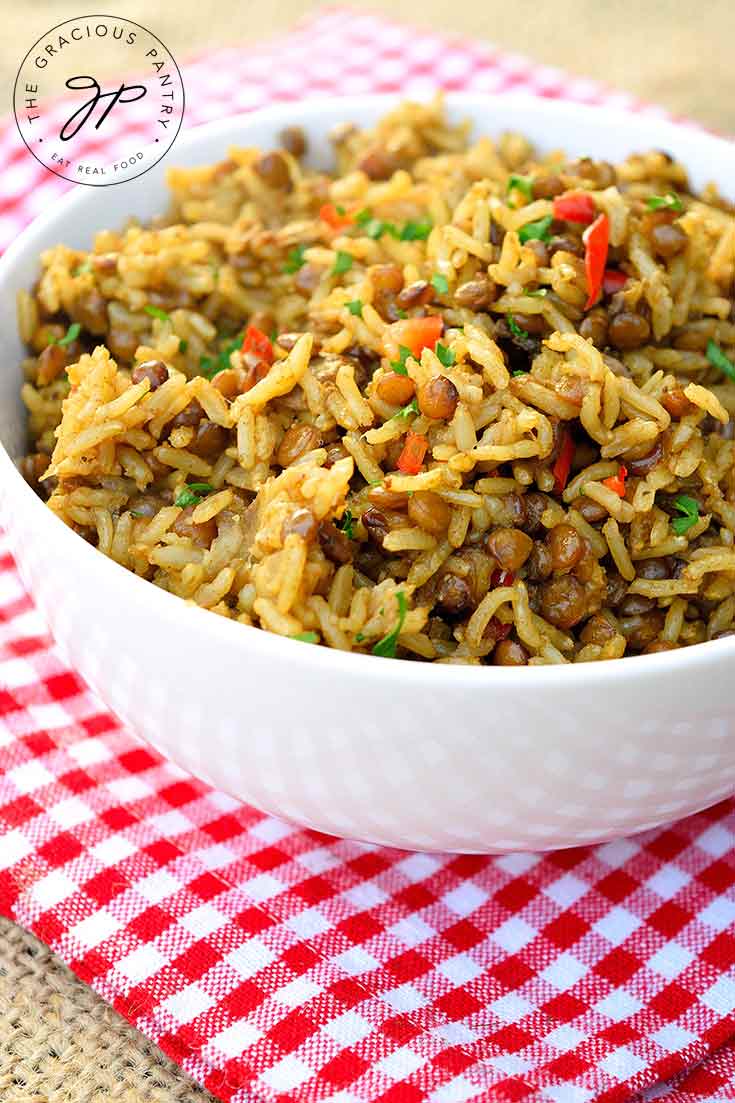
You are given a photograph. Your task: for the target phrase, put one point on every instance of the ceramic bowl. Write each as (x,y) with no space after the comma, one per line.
(427,757)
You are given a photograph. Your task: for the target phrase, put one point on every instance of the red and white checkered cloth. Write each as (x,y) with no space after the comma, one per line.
(278,964)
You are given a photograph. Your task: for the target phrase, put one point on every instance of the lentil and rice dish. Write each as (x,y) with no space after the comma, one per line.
(454,401)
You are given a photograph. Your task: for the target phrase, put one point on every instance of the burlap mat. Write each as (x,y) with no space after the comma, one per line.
(59,1043)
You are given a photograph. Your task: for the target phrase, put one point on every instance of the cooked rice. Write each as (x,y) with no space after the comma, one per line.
(280,494)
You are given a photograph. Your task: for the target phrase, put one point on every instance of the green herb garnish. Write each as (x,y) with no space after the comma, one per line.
(401,313)
(689,508)
(183,345)
(83,268)
(399,365)
(537,294)
(340,209)
(440,283)
(363,217)
(306,637)
(717,358)
(156,312)
(417,230)
(71,335)
(295,259)
(522,184)
(209,366)
(342,264)
(407,411)
(445,355)
(355,307)
(386,647)
(515,329)
(192,494)
(519,371)
(536,231)
(346,524)
(136,513)
(670,202)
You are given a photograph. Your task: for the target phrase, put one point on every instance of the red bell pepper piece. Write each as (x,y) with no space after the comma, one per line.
(577,207)
(412,456)
(502,578)
(338,221)
(596,239)
(256,343)
(418,333)
(563,464)
(496,630)
(613,280)
(616,483)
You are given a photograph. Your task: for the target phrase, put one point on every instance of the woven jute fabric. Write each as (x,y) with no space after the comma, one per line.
(60,1043)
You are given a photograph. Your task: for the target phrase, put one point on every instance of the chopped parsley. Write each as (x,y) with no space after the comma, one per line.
(515,329)
(295,259)
(401,313)
(137,513)
(539,293)
(156,312)
(342,264)
(399,365)
(440,283)
(71,335)
(668,202)
(306,637)
(340,209)
(346,523)
(386,647)
(413,230)
(355,307)
(407,411)
(209,366)
(689,509)
(523,184)
(192,494)
(536,231)
(83,268)
(183,345)
(717,358)
(519,371)
(417,230)
(445,355)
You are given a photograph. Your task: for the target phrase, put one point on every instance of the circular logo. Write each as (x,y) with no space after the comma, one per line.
(86,125)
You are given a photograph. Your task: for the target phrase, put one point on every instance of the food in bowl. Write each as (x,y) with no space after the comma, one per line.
(456,402)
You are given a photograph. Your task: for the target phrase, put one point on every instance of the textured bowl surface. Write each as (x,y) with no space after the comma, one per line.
(419,756)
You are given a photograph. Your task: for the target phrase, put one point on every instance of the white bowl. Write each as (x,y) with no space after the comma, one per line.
(427,757)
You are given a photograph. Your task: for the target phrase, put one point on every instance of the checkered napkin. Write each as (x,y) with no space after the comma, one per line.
(278,964)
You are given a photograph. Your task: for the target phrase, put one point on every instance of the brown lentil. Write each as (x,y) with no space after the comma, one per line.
(298,439)
(438,398)
(510,547)
(272,168)
(510,653)
(476,293)
(303,523)
(337,547)
(210,439)
(376,524)
(51,363)
(593,327)
(416,294)
(669,240)
(395,389)
(430,512)
(155,371)
(566,548)
(563,601)
(293,140)
(628,330)
(453,596)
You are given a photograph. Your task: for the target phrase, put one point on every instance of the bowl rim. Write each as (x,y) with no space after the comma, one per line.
(168,606)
